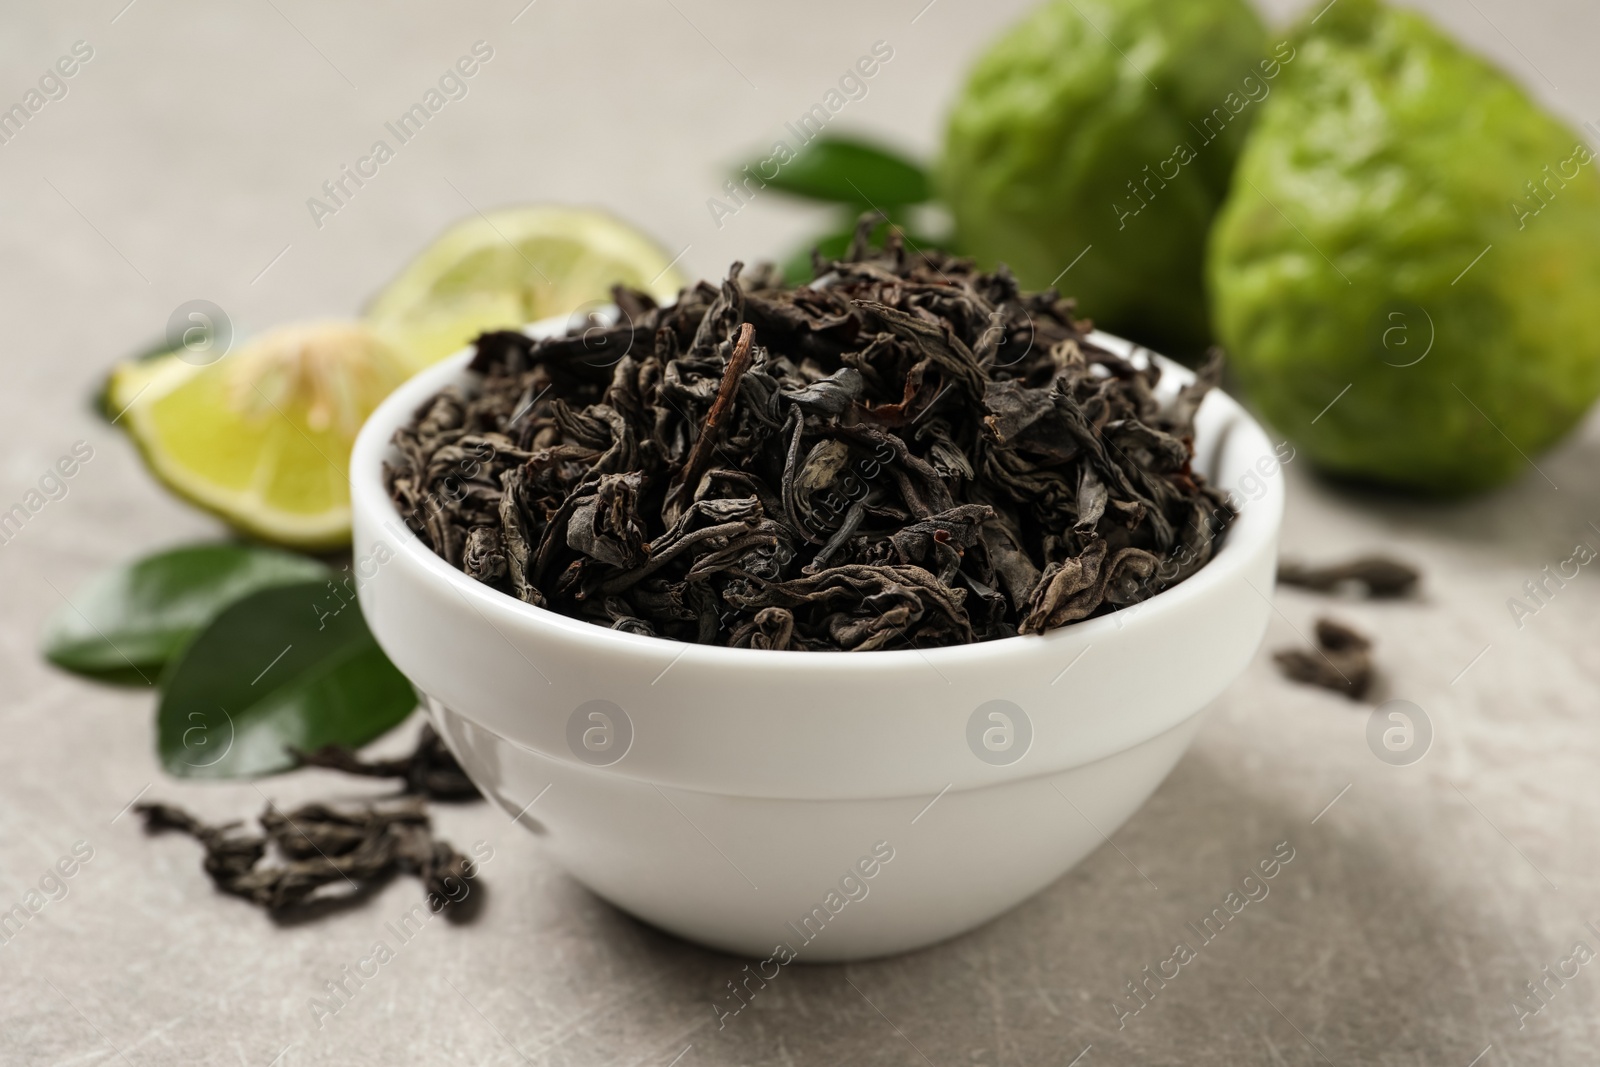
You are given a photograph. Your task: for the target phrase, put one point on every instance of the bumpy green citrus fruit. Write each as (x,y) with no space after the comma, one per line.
(1108,129)
(1412,240)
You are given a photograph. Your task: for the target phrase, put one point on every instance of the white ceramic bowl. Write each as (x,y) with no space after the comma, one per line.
(840,805)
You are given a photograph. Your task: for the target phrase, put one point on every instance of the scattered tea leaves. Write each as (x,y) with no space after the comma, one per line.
(276,671)
(1376,577)
(351,848)
(128,622)
(430,771)
(1342,660)
(906,453)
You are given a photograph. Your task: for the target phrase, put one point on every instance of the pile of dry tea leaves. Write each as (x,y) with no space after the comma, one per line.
(352,847)
(904,453)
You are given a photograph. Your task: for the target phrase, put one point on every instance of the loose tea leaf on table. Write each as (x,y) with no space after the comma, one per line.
(354,848)
(429,771)
(1378,577)
(1342,660)
(905,453)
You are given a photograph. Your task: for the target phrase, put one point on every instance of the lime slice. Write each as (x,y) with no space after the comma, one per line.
(262,437)
(511,267)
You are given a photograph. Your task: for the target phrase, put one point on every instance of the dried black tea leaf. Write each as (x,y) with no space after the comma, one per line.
(1342,660)
(429,771)
(904,453)
(352,848)
(1377,577)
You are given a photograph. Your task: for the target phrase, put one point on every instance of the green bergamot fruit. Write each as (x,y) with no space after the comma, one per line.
(1107,129)
(1411,240)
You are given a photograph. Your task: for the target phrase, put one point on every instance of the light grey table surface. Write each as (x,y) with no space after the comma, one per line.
(178,166)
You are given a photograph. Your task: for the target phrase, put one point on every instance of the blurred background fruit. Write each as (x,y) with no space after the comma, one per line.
(507,268)
(1107,130)
(1413,241)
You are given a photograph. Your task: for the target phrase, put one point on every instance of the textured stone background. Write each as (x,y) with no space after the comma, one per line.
(178,167)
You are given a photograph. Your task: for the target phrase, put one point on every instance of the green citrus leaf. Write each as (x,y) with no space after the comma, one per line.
(128,622)
(286,666)
(842,170)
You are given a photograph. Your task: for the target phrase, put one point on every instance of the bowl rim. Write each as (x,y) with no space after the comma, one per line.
(1254,530)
